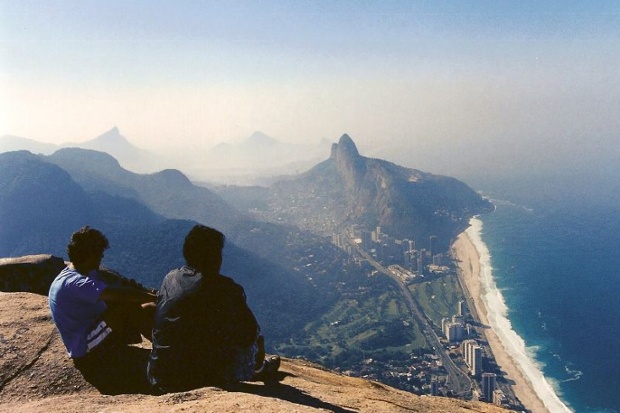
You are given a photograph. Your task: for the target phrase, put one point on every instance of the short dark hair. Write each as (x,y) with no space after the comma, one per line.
(85,243)
(202,248)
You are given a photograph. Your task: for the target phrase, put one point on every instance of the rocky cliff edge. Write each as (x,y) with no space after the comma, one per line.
(37,376)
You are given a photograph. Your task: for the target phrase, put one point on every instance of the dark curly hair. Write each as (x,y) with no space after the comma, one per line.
(202,248)
(86,243)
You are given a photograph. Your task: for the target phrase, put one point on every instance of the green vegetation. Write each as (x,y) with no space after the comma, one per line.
(439,297)
(371,321)
(368,324)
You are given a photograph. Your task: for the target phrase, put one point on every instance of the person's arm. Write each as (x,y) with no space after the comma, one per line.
(127,295)
(250,330)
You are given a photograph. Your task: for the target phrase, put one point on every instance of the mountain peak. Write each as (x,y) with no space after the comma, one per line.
(345,148)
(103,160)
(174,178)
(260,138)
(117,145)
(349,162)
(347,145)
(111,136)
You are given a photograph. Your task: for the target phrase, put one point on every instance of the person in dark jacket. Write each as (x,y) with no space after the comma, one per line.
(204,333)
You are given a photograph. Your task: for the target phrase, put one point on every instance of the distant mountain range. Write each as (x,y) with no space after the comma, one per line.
(249,161)
(10,143)
(111,142)
(262,152)
(257,160)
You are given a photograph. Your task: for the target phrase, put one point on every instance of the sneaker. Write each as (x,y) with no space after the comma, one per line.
(267,372)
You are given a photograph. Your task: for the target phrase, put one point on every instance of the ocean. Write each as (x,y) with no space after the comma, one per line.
(553,265)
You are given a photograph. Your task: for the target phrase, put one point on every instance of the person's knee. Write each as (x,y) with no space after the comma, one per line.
(122,315)
(260,351)
(115,316)
(147,321)
(148,311)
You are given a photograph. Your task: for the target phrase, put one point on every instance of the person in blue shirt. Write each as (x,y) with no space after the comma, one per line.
(92,312)
(204,333)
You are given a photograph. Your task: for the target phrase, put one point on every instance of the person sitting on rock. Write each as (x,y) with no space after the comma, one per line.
(204,333)
(93,312)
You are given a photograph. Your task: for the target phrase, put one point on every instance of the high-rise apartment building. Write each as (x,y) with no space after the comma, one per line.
(472,354)
(455,331)
(488,386)
(462,308)
(433,245)
(476,361)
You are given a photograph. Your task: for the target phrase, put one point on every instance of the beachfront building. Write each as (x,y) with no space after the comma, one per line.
(462,309)
(488,386)
(472,354)
(455,332)
(454,329)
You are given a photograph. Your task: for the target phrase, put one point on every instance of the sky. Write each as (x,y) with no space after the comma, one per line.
(450,87)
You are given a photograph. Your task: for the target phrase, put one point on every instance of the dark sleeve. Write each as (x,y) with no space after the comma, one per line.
(250,330)
(161,365)
(165,321)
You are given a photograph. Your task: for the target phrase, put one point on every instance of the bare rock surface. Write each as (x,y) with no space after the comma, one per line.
(30,273)
(37,376)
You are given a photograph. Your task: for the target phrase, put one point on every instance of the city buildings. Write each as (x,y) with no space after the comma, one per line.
(472,354)
(434,387)
(462,309)
(388,250)
(488,386)
(454,331)
(402,261)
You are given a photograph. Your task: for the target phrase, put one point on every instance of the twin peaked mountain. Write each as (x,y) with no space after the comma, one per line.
(349,189)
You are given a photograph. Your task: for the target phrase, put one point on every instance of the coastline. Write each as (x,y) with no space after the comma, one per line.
(470,274)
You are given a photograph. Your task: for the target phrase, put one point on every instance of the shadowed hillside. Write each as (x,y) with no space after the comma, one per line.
(41,205)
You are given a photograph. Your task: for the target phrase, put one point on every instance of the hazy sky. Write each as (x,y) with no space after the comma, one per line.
(440,86)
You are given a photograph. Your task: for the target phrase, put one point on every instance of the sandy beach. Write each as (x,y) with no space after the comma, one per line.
(469,263)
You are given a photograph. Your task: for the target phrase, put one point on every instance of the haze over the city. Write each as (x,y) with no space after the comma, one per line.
(457,87)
